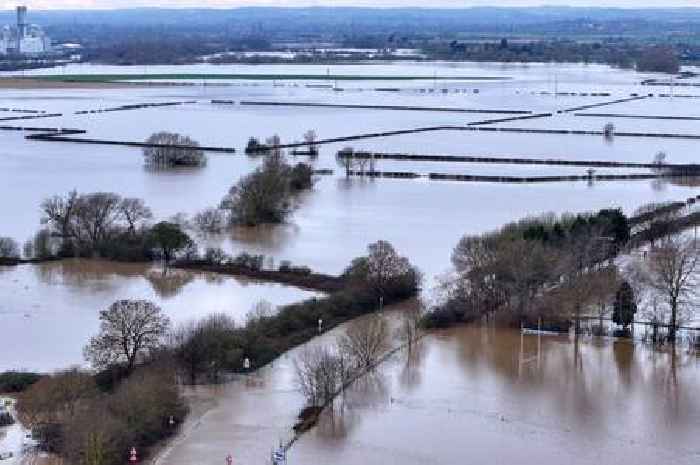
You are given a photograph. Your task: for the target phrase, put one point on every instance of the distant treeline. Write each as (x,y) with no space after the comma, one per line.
(624,54)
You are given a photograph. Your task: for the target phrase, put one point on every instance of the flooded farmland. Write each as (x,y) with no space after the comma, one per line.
(491,394)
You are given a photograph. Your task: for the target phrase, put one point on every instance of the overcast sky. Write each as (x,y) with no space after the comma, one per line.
(57,4)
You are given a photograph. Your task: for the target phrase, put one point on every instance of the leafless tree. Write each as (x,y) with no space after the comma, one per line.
(365,340)
(210,220)
(409,330)
(94,217)
(170,150)
(310,138)
(134,212)
(273,143)
(58,213)
(128,329)
(320,374)
(386,269)
(609,131)
(672,271)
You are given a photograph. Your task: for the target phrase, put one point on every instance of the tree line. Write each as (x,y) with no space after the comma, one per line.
(131,398)
(560,270)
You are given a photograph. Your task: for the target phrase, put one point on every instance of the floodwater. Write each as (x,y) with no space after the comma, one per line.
(486,395)
(48,312)
(467,395)
(352,212)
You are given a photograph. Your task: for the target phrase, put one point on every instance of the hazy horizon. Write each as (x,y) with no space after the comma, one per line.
(460,4)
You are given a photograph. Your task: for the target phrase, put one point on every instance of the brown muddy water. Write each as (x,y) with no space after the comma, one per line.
(470,395)
(467,395)
(487,395)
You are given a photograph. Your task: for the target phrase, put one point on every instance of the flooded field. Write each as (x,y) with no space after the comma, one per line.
(483,393)
(496,397)
(352,212)
(49,312)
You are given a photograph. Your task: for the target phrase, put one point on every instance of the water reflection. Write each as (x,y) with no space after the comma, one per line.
(524,399)
(49,311)
(169,284)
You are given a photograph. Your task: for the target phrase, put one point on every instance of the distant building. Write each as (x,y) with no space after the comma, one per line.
(23,38)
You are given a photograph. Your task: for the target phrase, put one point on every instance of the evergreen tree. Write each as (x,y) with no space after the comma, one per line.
(625,306)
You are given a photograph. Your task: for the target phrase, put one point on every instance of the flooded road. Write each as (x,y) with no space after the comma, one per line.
(484,395)
(467,395)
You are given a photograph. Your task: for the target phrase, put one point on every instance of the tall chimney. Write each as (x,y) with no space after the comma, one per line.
(21,21)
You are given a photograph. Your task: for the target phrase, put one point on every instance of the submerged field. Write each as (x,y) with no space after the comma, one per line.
(469,391)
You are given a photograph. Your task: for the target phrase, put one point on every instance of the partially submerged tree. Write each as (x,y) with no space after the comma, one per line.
(171,150)
(320,374)
(129,329)
(169,239)
(624,306)
(208,347)
(384,271)
(673,271)
(310,138)
(135,213)
(210,220)
(365,340)
(266,195)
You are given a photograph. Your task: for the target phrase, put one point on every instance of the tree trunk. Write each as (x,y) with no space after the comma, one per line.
(674,320)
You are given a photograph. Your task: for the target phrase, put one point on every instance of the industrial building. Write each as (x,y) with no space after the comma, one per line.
(23,38)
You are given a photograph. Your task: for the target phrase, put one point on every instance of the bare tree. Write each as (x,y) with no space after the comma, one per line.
(310,138)
(94,217)
(210,220)
(365,340)
(320,374)
(169,150)
(386,271)
(128,329)
(58,213)
(134,212)
(673,268)
(409,330)
(273,144)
